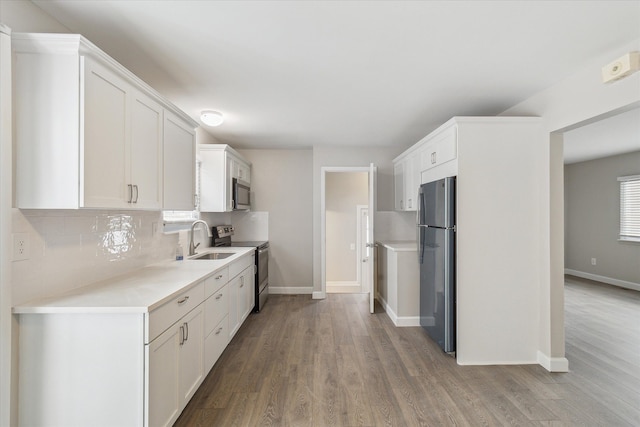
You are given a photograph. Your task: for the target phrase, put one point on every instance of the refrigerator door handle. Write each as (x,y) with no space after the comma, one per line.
(418,226)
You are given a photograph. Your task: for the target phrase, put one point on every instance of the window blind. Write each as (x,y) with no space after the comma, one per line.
(630,207)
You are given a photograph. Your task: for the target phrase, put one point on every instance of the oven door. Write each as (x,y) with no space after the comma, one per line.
(241,195)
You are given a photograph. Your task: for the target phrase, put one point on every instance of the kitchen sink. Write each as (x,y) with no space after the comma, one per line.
(215,255)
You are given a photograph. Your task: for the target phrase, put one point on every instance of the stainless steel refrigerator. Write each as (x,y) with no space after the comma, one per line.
(437,256)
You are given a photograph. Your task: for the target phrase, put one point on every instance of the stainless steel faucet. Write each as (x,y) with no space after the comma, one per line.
(192,247)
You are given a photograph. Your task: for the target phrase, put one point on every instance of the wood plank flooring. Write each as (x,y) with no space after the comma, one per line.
(303,362)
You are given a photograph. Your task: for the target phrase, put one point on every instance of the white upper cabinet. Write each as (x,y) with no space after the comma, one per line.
(89,133)
(179,164)
(433,150)
(220,165)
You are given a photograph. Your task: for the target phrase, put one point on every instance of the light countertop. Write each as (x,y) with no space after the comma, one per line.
(400,245)
(140,291)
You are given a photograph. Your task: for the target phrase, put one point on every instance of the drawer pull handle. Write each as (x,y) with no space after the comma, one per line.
(219,277)
(183,300)
(218,331)
(218,296)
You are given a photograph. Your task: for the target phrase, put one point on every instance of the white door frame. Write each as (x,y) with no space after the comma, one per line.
(323,221)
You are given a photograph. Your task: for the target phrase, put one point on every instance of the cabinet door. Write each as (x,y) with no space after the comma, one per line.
(243,302)
(215,344)
(248,291)
(179,164)
(398,189)
(191,354)
(243,172)
(146,152)
(234,318)
(409,181)
(164,400)
(104,173)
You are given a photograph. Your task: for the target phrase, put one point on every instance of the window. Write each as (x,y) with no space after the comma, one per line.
(182,220)
(630,208)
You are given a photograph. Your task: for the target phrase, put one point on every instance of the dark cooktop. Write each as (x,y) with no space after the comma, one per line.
(254,244)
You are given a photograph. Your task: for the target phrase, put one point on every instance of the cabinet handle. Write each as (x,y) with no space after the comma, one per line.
(183,300)
(241,281)
(219,330)
(135,187)
(181,335)
(219,277)
(433,158)
(186,328)
(409,204)
(130,193)
(218,296)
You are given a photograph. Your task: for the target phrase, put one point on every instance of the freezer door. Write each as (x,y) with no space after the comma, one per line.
(437,203)
(437,286)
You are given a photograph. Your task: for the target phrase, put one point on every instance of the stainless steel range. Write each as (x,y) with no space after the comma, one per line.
(222,237)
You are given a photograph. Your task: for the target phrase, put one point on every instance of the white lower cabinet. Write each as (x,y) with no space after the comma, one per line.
(175,368)
(128,368)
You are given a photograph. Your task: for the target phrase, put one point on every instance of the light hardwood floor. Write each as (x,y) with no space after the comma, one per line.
(303,362)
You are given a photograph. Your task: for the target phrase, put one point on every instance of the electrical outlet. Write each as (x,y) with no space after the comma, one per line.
(154,228)
(352,246)
(593,261)
(20,246)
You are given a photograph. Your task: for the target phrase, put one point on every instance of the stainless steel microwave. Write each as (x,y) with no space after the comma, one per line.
(240,195)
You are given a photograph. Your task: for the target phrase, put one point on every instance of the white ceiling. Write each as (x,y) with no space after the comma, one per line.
(353,73)
(614,135)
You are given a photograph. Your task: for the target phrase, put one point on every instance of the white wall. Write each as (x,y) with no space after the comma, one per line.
(281,183)
(18,16)
(5,225)
(592,200)
(343,192)
(348,157)
(579,99)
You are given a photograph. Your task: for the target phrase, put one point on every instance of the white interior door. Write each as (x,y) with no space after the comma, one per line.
(370,234)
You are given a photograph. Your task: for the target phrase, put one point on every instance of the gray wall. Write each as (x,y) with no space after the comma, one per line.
(343,192)
(592,218)
(282,183)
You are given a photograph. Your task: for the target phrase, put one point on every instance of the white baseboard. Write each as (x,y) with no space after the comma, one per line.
(604,279)
(291,290)
(399,321)
(553,364)
(318,295)
(343,288)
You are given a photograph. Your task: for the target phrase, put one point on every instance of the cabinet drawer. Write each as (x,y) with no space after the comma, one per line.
(166,315)
(215,343)
(441,149)
(240,265)
(215,308)
(216,281)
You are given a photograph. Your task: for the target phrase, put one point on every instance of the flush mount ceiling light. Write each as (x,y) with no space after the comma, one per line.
(211,118)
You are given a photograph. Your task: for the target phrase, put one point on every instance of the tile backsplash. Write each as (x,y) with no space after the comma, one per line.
(70,249)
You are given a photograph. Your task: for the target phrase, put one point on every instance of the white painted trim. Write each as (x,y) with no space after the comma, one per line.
(398,321)
(553,364)
(318,295)
(291,290)
(337,287)
(604,279)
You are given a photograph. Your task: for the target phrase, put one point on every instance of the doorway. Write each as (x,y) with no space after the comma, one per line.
(346,197)
(348,239)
